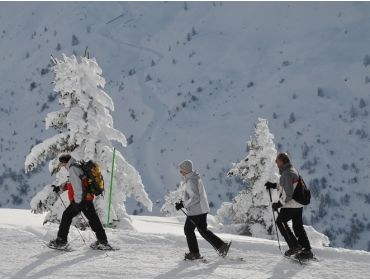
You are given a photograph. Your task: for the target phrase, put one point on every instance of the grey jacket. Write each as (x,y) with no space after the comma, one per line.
(75,175)
(288,182)
(195,199)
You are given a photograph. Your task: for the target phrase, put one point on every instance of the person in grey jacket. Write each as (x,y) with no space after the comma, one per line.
(196,204)
(290,209)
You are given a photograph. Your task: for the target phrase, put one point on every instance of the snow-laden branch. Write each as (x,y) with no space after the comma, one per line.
(50,147)
(56,119)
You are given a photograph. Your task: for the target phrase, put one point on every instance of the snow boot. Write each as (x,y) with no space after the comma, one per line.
(293,251)
(192,256)
(58,243)
(305,254)
(102,245)
(99,245)
(224,249)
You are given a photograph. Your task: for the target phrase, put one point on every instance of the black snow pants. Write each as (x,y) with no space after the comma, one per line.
(200,222)
(300,235)
(87,207)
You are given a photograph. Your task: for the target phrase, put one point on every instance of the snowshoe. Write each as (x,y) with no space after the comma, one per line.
(59,244)
(224,249)
(293,251)
(103,246)
(192,256)
(304,255)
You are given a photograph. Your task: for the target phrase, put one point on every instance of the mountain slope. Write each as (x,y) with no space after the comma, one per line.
(190,80)
(155,250)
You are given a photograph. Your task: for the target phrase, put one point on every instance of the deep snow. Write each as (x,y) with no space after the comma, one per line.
(155,250)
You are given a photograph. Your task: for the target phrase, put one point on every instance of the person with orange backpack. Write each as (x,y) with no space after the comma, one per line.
(81,200)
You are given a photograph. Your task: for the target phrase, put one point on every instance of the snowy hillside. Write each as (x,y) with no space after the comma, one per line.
(155,250)
(189,80)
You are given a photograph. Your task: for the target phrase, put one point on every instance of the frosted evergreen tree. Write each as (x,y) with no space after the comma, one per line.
(250,209)
(85,130)
(168,208)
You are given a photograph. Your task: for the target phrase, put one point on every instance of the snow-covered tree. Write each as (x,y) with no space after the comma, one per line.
(250,209)
(168,208)
(85,130)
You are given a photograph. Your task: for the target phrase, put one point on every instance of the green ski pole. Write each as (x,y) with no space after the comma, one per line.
(111,186)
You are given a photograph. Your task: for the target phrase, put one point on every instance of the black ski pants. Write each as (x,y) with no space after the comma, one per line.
(86,207)
(200,222)
(300,235)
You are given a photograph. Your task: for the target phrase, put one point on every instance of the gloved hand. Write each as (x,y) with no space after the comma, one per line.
(276,205)
(56,189)
(179,205)
(270,185)
(76,206)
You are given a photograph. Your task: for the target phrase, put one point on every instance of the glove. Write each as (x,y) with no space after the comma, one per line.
(179,205)
(270,185)
(76,206)
(276,205)
(56,189)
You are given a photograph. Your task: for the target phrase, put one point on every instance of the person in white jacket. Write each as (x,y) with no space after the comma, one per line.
(81,200)
(291,209)
(196,204)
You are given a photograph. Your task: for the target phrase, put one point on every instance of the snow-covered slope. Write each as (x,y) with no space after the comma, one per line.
(155,250)
(189,80)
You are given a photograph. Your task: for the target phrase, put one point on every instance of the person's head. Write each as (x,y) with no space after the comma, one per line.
(64,159)
(282,159)
(186,167)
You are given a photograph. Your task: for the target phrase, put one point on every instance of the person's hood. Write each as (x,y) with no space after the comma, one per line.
(70,162)
(192,176)
(285,167)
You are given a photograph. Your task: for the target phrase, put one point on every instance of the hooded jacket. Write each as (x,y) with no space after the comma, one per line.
(77,185)
(288,182)
(195,198)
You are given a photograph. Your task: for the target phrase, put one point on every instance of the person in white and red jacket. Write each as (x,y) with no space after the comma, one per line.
(80,201)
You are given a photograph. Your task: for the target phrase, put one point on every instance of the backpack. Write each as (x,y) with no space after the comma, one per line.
(301,193)
(95,181)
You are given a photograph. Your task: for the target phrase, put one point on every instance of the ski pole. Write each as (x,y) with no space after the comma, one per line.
(276,230)
(111,186)
(201,232)
(65,207)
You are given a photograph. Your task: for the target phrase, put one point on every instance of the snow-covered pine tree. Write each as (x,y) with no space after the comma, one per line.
(250,210)
(168,208)
(85,130)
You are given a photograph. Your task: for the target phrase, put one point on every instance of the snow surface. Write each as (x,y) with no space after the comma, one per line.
(155,250)
(182,94)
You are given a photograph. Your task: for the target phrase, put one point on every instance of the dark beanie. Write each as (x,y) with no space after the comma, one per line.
(284,157)
(64,158)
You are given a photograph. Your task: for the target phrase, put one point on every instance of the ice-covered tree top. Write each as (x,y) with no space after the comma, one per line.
(260,161)
(85,118)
